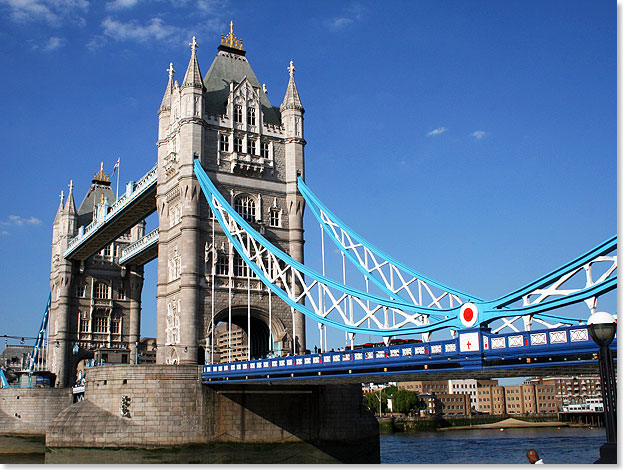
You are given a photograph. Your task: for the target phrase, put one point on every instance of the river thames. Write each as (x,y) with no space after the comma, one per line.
(491,446)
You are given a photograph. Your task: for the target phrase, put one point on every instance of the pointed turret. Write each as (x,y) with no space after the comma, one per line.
(292,99)
(193,74)
(61,207)
(166,99)
(70,206)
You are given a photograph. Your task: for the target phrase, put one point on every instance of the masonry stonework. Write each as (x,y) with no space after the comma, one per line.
(31,410)
(167,405)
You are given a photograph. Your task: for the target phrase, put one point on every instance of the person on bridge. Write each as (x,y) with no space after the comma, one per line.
(533,457)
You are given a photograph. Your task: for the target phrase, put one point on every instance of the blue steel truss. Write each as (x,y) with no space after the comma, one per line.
(299,286)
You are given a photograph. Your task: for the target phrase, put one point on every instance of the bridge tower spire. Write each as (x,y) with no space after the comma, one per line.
(292,118)
(180,141)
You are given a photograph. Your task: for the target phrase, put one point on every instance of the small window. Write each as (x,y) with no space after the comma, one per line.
(121,294)
(245,206)
(251,146)
(84,325)
(251,116)
(81,290)
(240,267)
(264,150)
(224,142)
(101,290)
(101,325)
(116,326)
(275,218)
(238,144)
(237,113)
(222,264)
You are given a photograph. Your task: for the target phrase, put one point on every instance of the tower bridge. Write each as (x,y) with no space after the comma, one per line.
(229,192)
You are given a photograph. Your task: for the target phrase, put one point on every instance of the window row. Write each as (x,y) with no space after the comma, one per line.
(238,145)
(245,206)
(101,324)
(238,114)
(101,290)
(107,250)
(239,267)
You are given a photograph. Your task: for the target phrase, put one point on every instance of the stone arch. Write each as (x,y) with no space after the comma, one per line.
(260,331)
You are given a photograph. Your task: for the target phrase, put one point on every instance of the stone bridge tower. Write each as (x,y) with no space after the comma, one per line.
(96,303)
(253,151)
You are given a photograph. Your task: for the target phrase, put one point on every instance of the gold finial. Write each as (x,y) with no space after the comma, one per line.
(230,40)
(102,199)
(100,175)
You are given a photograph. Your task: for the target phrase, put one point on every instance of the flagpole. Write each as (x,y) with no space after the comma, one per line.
(118,170)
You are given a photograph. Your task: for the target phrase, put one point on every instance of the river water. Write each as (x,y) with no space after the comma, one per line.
(555,446)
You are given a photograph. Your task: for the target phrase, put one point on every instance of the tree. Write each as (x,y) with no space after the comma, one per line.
(405,401)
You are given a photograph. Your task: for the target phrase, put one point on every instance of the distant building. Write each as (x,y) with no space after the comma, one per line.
(469,386)
(491,398)
(239,342)
(15,356)
(571,390)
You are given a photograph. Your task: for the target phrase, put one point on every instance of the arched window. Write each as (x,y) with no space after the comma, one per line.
(275,218)
(251,116)
(101,290)
(237,113)
(245,206)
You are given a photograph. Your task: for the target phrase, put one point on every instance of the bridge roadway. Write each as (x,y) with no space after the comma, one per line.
(474,353)
(134,205)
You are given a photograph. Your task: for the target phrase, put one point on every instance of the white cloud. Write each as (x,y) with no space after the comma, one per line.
(121,4)
(155,29)
(439,130)
(16,220)
(4,232)
(478,134)
(53,12)
(349,16)
(54,43)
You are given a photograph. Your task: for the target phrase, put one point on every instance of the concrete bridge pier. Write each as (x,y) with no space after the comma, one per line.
(167,405)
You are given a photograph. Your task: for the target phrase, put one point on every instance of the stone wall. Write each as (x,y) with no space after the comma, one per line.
(165,407)
(168,405)
(31,410)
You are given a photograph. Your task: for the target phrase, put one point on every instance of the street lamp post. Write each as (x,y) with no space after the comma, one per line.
(602,328)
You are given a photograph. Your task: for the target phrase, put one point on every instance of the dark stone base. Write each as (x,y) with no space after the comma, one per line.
(607,453)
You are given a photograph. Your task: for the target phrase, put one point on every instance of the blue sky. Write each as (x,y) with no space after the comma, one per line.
(474,141)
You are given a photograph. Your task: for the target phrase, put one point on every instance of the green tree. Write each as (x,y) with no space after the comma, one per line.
(405,401)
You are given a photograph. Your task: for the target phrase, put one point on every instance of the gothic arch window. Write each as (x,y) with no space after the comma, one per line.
(245,206)
(240,268)
(251,116)
(101,290)
(275,218)
(251,146)
(222,264)
(264,149)
(100,324)
(238,144)
(224,142)
(237,113)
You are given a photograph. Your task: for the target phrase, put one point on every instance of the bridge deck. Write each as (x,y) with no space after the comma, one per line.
(558,351)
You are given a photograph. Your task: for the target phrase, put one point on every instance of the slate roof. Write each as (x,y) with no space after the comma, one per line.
(85,211)
(228,66)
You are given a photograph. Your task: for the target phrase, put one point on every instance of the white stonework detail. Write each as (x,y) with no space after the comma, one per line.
(173,323)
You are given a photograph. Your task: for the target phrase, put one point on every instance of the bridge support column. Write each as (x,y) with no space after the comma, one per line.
(59,349)
(135,274)
(325,423)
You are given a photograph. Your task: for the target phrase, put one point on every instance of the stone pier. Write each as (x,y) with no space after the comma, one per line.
(150,406)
